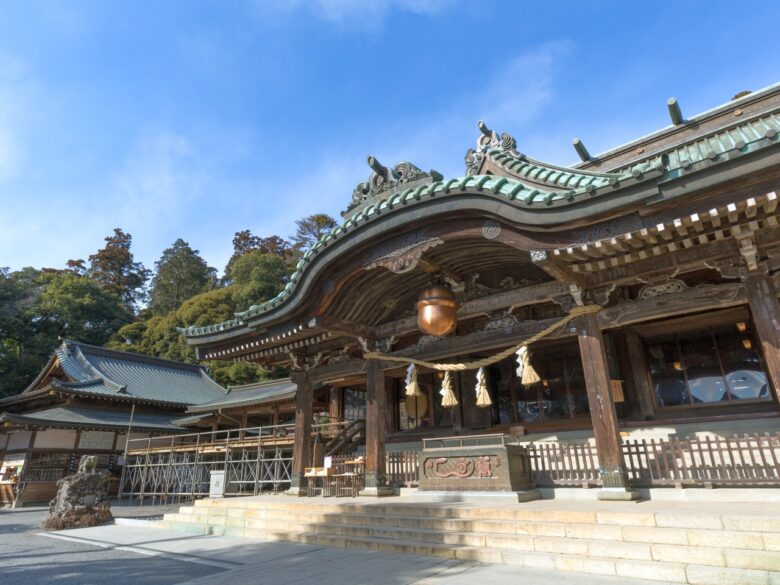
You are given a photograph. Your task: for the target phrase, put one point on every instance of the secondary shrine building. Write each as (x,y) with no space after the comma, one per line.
(664,252)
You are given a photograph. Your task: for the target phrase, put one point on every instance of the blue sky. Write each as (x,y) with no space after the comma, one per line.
(199,118)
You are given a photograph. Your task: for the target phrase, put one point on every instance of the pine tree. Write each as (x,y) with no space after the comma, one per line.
(116,271)
(180,274)
(310,229)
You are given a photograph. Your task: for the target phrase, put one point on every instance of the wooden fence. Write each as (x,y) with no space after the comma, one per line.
(736,460)
(750,459)
(403,468)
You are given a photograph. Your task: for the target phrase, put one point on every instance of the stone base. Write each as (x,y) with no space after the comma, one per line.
(296,491)
(617,494)
(377,491)
(529,495)
(492,465)
(484,497)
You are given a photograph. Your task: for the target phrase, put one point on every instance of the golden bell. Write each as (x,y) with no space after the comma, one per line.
(436,311)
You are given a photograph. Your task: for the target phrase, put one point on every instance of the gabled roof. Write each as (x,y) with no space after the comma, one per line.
(96,371)
(250,395)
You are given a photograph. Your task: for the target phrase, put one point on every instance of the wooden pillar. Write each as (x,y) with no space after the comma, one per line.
(457,412)
(334,409)
(244,418)
(304,399)
(614,481)
(376,406)
(391,411)
(275,415)
(762,298)
(640,374)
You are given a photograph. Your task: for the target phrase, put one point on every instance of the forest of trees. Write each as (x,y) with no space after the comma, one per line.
(113,300)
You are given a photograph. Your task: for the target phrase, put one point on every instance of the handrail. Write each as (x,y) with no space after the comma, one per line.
(220,437)
(458,441)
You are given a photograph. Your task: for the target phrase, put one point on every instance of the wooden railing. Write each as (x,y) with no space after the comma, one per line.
(564,464)
(750,460)
(403,468)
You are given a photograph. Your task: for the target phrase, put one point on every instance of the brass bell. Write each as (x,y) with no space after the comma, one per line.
(436,311)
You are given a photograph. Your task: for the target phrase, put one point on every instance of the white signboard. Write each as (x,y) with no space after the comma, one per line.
(96,440)
(217,484)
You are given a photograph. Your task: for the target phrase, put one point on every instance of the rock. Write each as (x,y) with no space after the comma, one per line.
(82,499)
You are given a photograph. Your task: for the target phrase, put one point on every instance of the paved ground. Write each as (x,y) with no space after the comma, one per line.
(29,559)
(142,555)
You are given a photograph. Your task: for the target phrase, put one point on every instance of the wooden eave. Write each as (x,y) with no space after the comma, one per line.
(279,327)
(753,105)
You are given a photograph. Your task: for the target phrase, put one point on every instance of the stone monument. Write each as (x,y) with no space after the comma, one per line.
(82,499)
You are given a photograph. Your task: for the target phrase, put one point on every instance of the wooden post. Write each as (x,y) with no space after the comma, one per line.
(762,298)
(614,481)
(244,418)
(304,399)
(640,374)
(457,412)
(376,406)
(334,410)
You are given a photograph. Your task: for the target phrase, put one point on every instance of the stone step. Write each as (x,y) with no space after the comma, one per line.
(664,562)
(714,548)
(653,534)
(675,572)
(666,519)
(613,526)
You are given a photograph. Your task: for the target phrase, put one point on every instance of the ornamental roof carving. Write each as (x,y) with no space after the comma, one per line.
(385,179)
(497,170)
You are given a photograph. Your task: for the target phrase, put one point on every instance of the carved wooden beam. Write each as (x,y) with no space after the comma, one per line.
(558,270)
(344,328)
(683,260)
(529,295)
(700,298)
(334,371)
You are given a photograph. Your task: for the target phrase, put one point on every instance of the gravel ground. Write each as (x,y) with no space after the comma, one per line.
(26,558)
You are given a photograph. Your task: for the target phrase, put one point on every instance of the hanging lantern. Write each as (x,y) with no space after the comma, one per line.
(436,311)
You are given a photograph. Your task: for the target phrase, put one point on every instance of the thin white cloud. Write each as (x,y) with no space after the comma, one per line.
(512,99)
(171,184)
(360,14)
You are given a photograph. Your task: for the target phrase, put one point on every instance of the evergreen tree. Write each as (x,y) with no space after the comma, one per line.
(180,274)
(310,229)
(114,268)
(37,307)
(258,277)
(245,242)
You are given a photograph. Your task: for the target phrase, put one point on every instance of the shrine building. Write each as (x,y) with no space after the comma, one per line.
(645,278)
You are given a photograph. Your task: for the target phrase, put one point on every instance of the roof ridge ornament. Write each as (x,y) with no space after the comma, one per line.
(385,179)
(489,139)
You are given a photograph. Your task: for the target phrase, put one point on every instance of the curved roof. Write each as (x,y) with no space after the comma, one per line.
(93,418)
(533,187)
(510,191)
(96,371)
(250,395)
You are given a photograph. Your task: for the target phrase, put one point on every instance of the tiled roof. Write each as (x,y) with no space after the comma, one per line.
(250,394)
(568,186)
(82,417)
(97,370)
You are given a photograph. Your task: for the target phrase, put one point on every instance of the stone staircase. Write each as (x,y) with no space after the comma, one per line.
(679,545)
